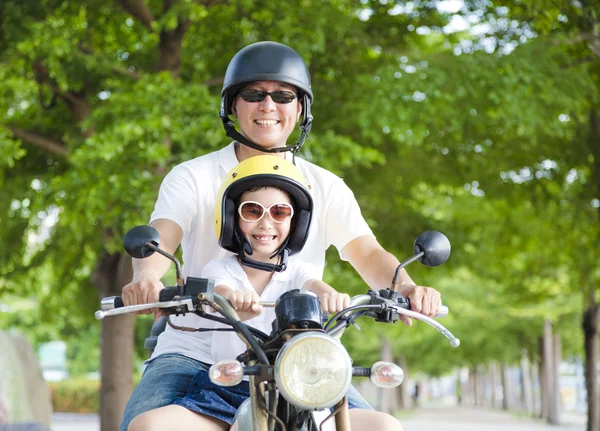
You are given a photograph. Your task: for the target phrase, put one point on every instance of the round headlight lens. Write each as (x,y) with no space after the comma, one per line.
(313,371)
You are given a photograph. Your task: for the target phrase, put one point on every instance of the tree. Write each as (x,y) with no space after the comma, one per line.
(100,100)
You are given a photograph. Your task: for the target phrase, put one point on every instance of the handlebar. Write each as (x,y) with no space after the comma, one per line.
(168,297)
(364,302)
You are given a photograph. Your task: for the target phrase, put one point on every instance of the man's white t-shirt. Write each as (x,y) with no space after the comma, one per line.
(188,196)
(220,345)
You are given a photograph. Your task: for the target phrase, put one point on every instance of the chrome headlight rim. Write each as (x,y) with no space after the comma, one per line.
(292,344)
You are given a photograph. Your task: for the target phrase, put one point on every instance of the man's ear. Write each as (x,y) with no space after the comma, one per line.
(233,110)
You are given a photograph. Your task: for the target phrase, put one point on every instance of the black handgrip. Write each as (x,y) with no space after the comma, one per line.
(168,293)
(165,295)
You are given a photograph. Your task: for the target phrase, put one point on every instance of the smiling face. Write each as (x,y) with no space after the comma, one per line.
(265,236)
(267,123)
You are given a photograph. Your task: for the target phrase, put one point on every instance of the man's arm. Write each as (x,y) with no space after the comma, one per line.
(377,267)
(146,285)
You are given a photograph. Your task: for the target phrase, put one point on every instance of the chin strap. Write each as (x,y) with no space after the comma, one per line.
(269,267)
(232,132)
(245,250)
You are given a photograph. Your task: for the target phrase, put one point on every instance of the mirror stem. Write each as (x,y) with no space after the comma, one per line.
(402,265)
(171,258)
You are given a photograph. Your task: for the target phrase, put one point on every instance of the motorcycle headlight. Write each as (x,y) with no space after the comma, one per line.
(313,371)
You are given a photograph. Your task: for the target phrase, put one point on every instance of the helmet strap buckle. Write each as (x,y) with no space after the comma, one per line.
(269,267)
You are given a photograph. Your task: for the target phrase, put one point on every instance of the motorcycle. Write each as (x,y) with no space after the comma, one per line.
(298,374)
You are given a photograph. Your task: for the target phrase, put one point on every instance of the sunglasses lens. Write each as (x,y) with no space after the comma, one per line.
(251,211)
(282,96)
(281,212)
(253,96)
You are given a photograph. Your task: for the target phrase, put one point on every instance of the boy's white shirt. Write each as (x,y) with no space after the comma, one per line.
(229,272)
(192,187)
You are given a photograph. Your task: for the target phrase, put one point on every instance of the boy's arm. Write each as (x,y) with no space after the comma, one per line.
(245,302)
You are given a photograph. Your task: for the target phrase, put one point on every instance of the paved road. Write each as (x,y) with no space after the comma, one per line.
(75,422)
(425,419)
(464,419)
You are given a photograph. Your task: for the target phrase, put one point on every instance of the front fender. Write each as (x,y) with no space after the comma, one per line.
(243,416)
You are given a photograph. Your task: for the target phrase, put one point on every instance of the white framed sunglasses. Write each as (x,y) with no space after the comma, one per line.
(251,212)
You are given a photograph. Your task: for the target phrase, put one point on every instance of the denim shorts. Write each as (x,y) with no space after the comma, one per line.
(176,379)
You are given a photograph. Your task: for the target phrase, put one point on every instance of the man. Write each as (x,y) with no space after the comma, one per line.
(267,89)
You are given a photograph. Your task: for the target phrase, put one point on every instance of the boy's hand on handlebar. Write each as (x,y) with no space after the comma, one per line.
(246,303)
(332,302)
(142,290)
(423,299)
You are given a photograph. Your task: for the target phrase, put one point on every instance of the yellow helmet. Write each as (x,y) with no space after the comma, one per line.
(270,171)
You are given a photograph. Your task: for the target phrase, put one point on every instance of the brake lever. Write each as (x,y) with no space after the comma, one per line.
(455,342)
(187,303)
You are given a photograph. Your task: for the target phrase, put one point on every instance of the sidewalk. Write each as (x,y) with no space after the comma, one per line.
(470,419)
(75,422)
(423,419)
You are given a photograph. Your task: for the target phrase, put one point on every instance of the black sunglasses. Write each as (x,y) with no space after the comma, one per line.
(254,96)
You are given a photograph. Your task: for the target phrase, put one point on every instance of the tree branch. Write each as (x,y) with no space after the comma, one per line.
(41,141)
(77,101)
(121,70)
(214,81)
(209,3)
(138,9)
(594,49)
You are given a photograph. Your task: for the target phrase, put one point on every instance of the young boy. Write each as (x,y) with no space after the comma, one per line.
(264,218)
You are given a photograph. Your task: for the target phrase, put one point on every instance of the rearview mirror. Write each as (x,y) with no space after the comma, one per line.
(435,247)
(137,241)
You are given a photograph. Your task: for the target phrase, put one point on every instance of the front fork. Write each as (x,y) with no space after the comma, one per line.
(259,419)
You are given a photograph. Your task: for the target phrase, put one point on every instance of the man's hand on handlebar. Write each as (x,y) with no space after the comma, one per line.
(143,289)
(423,299)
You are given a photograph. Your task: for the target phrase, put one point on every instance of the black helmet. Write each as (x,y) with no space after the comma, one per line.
(266,61)
(270,171)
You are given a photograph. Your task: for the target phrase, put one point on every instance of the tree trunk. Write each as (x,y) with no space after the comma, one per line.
(548,374)
(506,388)
(526,384)
(590,329)
(403,393)
(537,391)
(554,417)
(493,371)
(116,361)
(544,388)
(590,315)
(478,386)
(460,391)
(169,45)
